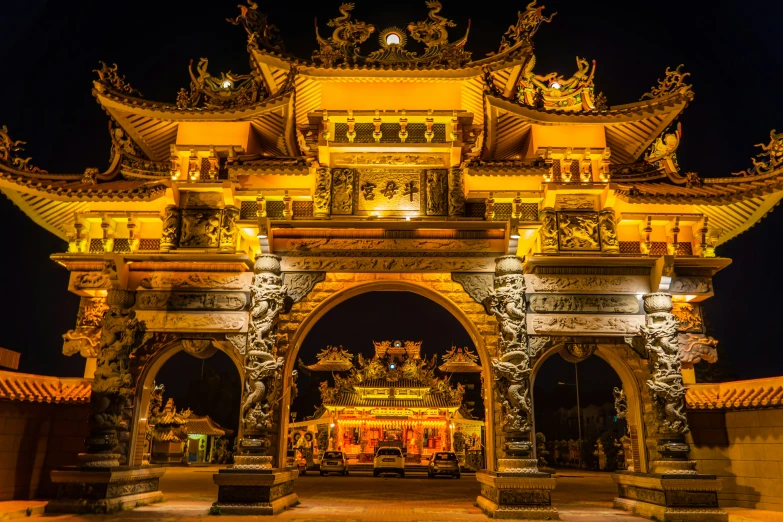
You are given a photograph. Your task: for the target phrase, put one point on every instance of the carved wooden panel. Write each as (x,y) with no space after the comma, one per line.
(343,191)
(437,203)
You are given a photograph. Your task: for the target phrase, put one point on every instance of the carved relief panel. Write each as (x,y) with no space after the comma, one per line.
(343,191)
(578,231)
(209,228)
(437,192)
(200,228)
(689,317)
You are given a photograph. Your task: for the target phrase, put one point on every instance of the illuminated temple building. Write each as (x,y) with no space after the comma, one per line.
(395,399)
(544,217)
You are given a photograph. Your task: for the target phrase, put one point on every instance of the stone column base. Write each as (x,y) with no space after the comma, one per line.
(107,490)
(254,492)
(669,498)
(525,496)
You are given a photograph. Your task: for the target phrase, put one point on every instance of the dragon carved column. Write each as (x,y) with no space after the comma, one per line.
(112,386)
(172,222)
(517,489)
(456,185)
(263,367)
(666,385)
(512,367)
(608,230)
(548,231)
(322,196)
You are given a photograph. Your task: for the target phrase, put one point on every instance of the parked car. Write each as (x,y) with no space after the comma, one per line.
(443,463)
(334,462)
(293,460)
(388,460)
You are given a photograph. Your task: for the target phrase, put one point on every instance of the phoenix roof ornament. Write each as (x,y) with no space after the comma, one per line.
(8,153)
(228,91)
(772,153)
(528,22)
(109,77)
(673,82)
(259,30)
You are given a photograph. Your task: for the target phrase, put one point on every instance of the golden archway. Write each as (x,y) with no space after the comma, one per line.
(479,340)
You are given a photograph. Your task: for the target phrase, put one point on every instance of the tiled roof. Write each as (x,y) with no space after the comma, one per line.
(384,383)
(430,400)
(736,395)
(204,426)
(40,388)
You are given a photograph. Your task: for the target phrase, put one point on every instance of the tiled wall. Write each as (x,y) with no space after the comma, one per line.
(745,450)
(34,439)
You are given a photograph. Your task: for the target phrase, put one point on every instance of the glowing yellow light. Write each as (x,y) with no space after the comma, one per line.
(227,84)
(392,39)
(555,85)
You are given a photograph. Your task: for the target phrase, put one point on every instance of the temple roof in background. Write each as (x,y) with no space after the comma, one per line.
(41,388)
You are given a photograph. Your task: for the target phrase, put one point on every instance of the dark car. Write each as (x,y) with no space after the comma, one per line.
(443,463)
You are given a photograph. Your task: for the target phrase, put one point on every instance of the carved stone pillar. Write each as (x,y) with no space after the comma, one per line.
(172,221)
(548,231)
(322,196)
(456,193)
(228,229)
(665,384)
(252,486)
(101,486)
(673,490)
(517,489)
(608,231)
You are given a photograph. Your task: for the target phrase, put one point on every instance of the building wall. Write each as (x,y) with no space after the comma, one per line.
(34,439)
(745,450)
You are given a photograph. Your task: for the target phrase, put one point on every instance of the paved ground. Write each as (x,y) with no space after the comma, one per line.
(580,497)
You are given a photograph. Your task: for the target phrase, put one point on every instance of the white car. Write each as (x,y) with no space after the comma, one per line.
(334,462)
(388,460)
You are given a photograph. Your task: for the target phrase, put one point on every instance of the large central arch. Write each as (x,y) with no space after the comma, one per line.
(319,303)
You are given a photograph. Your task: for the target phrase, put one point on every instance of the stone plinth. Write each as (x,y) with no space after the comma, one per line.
(105,490)
(526,496)
(669,498)
(254,492)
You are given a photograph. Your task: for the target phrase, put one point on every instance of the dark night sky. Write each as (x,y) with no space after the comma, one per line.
(50,48)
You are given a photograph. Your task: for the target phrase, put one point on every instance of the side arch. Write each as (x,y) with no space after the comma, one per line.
(145,380)
(634,393)
(464,312)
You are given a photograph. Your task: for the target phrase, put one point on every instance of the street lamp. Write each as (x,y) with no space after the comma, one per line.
(578,409)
